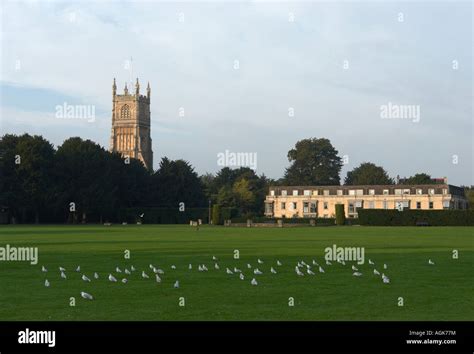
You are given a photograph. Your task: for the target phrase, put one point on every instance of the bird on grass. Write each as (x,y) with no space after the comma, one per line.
(214,258)
(315,263)
(257,271)
(216,266)
(190,266)
(371,263)
(278,263)
(173,266)
(328,263)
(112,278)
(204,268)
(237,270)
(385,266)
(43,269)
(61,269)
(228,271)
(160,271)
(200,268)
(357,274)
(126,271)
(46,283)
(118,270)
(85,278)
(86,296)
(298,272)
(259,261)
(254,281)
(151,266)
(385,279)
(124,280)
(430,262)
(78,269)
(299,265)
(176,284)
(144,275)
(158,279)
(272,270)
(63,275)
(321,270)
(376,272)
(249,266)
(96,276)
(132,268)
(309,271)
(354,268)
(241,276)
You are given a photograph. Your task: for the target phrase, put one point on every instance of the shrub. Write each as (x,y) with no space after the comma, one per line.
(377,217)
(340,215)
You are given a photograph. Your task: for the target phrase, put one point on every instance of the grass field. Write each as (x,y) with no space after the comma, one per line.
(443,291)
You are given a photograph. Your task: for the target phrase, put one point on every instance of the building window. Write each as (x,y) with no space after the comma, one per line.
(283,206)
(431,205)
(445,204)
(125,112)
(359,192)
(445,191)
(315,192)
(372,205)
(406,191)
(385,204)
(325,205)
(419,191)
(385,192)
(326,192)
(431,191)
(272,193)
(295,192)
(418,205)
(284,193)
(307,192)
(339,192)
(294,205)
(305,207)
(312,207)
(398,191)
(352,192)
(268,208)
(371,191)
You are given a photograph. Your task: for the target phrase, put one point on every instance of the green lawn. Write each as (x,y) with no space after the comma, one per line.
(443,291)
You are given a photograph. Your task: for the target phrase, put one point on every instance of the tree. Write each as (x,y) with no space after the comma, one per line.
(419,178)
(340,214)
(244,197)
(313,162)
(369,174)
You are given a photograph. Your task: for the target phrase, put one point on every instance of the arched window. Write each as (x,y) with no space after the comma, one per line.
(125,112)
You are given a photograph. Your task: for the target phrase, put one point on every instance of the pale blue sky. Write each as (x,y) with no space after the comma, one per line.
(70,51)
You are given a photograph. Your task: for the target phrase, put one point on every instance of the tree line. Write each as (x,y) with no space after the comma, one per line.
(80,179)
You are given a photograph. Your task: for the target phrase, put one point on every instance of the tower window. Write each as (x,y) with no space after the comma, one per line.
(125,112)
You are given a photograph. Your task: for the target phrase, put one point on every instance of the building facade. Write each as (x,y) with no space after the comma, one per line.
(131,129)
(320,201)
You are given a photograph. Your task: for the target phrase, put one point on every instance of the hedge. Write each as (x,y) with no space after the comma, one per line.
(340,215)
(382,217)
(163,215)
(302,221)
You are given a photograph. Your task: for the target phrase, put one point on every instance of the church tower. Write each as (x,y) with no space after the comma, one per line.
(131,124)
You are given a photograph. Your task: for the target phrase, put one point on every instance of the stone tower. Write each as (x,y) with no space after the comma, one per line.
(131,124)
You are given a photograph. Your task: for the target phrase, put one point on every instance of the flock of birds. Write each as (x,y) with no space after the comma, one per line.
(301,269)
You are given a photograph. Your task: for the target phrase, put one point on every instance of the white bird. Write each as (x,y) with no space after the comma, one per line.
(151,266)
(216,266)
(309,271)
(303,263)
(385,280)
(343,263)
(63,275)
(158,279)
(61,269)
(354,268)
(214,258)
(385,266)
(259,261)
(142,215)
(299,265)
(200,268)
(86,296)
(370,262)
(298,272)
(241,276)
(315,263)
(190,266)
(46,283)
(328,263)
(204,268)
(154,270)
(430,262)
(43,269)
(96,276)
(228,271)
(278,263)
(126,271)
(254,281)
(376,272)
(118,270)
(257,271)
(249,266)
(132,268)
(124,280)
(273,271)
(237,270)
(173,266)
(78,269)
(321,270)
(160,271)
(144,275)
(176,284)
(85,278)
(357,274)
(112,278)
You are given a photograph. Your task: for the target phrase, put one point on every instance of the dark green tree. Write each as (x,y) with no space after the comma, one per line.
(418,178)
(369,174)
